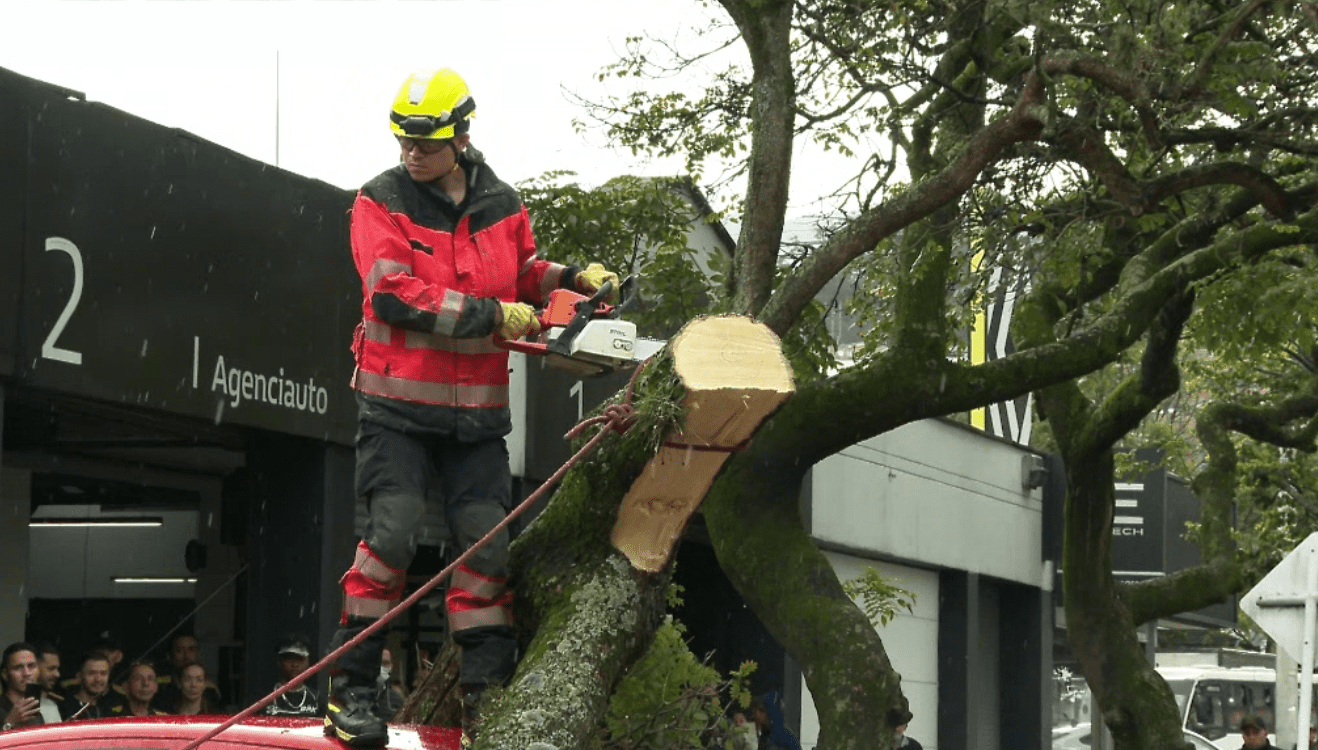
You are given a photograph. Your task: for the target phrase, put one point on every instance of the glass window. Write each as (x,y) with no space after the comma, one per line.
(1208,710)
(1181,692)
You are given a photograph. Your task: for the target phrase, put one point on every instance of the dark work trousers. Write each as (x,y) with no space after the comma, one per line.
(394,471)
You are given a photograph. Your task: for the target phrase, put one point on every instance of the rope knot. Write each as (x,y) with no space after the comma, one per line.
(619,417)
(616,417)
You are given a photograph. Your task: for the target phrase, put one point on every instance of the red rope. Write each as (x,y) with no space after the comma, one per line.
(616,418)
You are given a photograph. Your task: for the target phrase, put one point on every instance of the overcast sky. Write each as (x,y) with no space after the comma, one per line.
(209,67)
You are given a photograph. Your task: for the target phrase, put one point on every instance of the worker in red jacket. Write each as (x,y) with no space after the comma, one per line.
(447,261)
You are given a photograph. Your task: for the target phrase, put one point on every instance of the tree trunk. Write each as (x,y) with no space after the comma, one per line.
(1137,706)
(584,611)
(436,700)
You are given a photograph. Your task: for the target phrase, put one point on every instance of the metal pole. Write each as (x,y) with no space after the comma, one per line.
(1306,657)
(276,108)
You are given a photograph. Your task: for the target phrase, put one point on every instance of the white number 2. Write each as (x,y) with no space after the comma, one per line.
(48,348)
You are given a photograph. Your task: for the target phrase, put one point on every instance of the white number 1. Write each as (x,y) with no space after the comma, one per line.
(576,390)
(48,348)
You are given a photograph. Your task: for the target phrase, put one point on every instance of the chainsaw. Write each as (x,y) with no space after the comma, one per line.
(584,335)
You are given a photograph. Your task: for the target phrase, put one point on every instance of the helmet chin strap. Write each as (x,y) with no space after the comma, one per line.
(456,155)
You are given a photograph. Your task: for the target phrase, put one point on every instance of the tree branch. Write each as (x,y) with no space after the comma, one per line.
(1273,424)
(1120,82)
(766,28)
(1195,83)
(1185,590)
(1137,396)
(1085,146)
(1266,189)
(1221,573)
(880,222)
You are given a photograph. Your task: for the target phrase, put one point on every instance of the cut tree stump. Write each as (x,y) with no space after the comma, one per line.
(436,700)
(735,376)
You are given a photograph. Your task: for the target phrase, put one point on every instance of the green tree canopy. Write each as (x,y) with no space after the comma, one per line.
(1147,166)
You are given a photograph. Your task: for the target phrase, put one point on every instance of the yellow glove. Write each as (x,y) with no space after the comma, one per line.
(518,320)
(590,280)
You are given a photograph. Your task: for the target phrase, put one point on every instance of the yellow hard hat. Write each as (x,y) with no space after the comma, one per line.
(432,104)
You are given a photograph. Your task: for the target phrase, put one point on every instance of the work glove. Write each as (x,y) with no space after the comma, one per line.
(590,280)
(518,320)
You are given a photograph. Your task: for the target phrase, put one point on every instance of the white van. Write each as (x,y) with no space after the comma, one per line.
(1213,700)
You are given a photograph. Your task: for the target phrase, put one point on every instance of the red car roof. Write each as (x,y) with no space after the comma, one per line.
(173,732)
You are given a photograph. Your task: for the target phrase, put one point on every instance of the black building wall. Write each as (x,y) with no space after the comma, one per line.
(300,505)
(208,300)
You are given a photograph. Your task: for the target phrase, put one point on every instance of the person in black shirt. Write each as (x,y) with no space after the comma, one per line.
(1254,731)
(294,655)
(18,706)
(92,698)
(904,742)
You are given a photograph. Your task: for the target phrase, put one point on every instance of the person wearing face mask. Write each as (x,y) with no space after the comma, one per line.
(390,700)
(447,262)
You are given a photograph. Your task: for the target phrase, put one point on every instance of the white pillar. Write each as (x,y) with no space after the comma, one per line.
(1288,698)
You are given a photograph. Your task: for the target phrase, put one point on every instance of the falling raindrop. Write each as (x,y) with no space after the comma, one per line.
(144,343)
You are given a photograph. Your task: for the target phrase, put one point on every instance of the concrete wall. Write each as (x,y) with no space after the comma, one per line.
(940,509)
(911,641)
(933,493)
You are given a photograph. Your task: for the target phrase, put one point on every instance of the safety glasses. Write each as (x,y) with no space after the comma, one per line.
(426,146)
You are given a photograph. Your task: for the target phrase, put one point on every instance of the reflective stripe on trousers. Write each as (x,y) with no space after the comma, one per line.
(370,587)
(475,600)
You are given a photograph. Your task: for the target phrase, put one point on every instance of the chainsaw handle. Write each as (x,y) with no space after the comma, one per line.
(522,345)
(597,299)
(629,295)
(585,310)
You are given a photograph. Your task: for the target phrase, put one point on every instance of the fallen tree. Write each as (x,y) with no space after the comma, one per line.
(1122,157)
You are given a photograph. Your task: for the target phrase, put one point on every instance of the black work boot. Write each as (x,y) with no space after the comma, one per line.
(350,714)
(471,695)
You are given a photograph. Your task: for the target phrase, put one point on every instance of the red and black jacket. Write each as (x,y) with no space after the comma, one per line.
(433,273)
